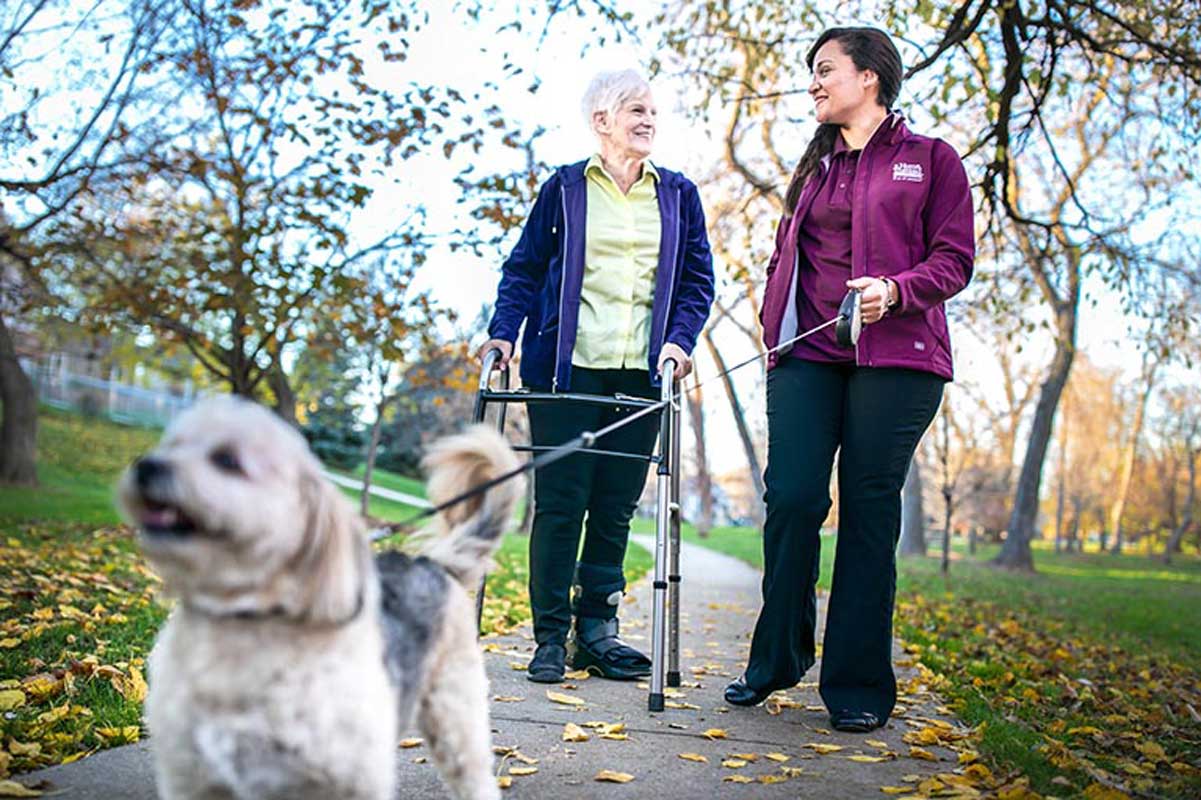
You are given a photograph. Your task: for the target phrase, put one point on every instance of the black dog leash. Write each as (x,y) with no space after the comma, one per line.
(847,328)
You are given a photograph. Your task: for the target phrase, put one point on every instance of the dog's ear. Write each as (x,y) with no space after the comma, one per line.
(331,569)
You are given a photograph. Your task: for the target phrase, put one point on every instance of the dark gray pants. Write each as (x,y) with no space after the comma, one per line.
(874,418)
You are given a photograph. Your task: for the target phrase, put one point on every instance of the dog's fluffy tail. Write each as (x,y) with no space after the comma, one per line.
(465,536)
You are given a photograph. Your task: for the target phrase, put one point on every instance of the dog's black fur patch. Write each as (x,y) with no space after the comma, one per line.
(413,601)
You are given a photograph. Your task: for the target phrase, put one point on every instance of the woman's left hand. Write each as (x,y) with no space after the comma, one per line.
(676,354)
(873,300)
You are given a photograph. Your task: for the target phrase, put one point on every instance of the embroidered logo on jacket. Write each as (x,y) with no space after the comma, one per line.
(907,172)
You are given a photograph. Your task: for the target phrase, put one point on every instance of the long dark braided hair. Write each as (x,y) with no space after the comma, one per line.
(868,48)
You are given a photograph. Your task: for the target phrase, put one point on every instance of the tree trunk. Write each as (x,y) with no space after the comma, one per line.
(704,481)
(285,398)
(1063,457)
(1173,544)
(913,529)
(372,449)
(1015,552)
(19,427)
(1127,470)
(744,432)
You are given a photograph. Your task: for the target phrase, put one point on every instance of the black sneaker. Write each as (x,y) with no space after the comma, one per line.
(547,665)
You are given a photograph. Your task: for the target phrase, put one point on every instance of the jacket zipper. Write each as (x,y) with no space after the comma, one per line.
(554,381)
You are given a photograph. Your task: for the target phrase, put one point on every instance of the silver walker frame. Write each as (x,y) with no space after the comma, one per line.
(665,614)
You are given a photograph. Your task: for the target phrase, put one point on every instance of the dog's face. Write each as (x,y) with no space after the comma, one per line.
(233,513)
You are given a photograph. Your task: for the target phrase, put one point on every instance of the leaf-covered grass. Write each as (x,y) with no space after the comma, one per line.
(79,610)
(1084,677)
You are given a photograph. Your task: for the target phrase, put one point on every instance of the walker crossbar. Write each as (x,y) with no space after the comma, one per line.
(665,626)
(532,448)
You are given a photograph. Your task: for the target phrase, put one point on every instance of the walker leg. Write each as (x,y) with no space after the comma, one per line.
(478,415)
(673,576)
(662,525)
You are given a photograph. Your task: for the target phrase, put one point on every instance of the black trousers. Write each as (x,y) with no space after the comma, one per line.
(874,418)
(606,489)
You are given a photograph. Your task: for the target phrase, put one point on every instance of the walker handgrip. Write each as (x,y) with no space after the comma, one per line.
(850,321)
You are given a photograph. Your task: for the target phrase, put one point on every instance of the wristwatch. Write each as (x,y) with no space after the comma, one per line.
(894,293)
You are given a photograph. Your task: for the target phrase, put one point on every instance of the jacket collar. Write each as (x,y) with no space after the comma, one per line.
(571,174)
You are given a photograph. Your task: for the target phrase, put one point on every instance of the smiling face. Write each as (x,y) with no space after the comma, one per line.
(631,131)
(839,90)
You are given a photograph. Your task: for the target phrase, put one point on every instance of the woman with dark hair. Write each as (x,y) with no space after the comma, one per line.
(875,208)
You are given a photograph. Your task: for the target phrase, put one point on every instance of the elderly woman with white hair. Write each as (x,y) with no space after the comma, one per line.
(612,276)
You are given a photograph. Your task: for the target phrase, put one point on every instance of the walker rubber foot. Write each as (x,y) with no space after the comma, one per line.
(673,680)
(655,702)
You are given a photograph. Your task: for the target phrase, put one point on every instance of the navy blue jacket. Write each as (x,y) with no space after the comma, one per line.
(541,279)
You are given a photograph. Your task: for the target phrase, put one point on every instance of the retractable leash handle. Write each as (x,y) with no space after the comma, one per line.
(850,319)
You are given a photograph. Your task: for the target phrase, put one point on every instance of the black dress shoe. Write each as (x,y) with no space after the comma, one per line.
(854,721)
(547,665)
(738,693)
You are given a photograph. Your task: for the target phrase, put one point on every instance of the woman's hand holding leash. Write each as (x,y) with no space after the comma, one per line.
(877,295)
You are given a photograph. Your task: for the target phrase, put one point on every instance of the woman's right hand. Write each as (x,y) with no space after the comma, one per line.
(505,348)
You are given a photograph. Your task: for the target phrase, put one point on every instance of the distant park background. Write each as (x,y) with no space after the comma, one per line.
(307,203)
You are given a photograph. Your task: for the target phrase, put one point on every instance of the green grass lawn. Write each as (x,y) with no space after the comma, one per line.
(79,609)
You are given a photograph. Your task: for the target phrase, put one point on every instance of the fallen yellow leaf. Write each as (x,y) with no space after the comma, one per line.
(895,789)
(507,699)
(504,781)
(734,763)
(716,733)
(876,743)
(11,698)
(407,743)
(574,733)
(9,644)
(14,789)
(617,737)
(685,706)
(772,778)
(868,759)
(824,749)
(577,675)
(693,757)
(522,770)
(924,755)
(565,699)
(745,756)
(613,777)
(737,779)
(792,772)
(780,757)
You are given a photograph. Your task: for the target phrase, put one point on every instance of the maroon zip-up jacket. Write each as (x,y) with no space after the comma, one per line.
(911,220)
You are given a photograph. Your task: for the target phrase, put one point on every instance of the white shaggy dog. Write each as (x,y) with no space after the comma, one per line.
(294,659)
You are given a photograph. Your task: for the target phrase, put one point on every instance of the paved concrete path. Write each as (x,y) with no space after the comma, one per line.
(379,491)
(720,601)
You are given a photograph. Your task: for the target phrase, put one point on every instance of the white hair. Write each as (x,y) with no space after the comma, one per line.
(609,91)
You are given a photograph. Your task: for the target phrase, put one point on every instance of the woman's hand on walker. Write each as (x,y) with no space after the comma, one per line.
(676,354)
(505,348)
(873,300)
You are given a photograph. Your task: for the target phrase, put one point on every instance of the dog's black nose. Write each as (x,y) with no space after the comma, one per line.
(147,470)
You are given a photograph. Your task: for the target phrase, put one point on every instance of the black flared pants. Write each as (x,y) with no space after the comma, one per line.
(874,418)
